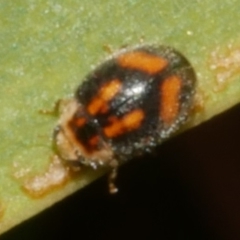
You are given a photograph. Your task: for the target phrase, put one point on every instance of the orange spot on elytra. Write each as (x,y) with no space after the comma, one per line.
(96,105)
(80,121)
(127,123)
(106,93)
(170,90)
(112,119)
(142,61)
(109,90)
(133,119)
(94,141)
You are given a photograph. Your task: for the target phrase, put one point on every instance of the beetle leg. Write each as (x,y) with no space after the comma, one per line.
(112,177)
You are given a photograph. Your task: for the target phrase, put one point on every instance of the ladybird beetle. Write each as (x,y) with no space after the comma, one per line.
(125,107)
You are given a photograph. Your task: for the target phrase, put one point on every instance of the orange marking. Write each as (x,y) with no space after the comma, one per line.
(133,119)
(80,121)
(127,123)
(97,105)
(106,93)
(104,108)
(112,119)
(110,89)
(170,90)
(94,141)
(142,61)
